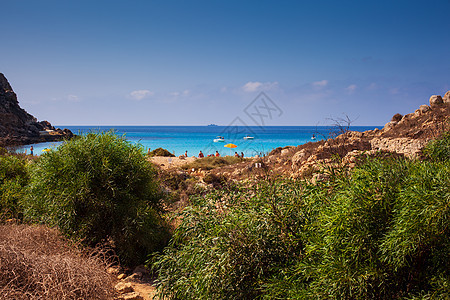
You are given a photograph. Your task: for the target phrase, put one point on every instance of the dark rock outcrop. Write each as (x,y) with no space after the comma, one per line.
(17,127)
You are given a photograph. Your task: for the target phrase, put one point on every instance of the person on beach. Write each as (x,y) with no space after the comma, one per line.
(185,154)
(200,155)
(242,154)
(217,154)
(148,153)
(31,150)
(236,154)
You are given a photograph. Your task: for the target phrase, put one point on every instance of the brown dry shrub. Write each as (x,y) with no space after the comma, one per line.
(37,263)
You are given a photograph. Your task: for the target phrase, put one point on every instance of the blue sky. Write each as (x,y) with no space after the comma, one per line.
(201,62)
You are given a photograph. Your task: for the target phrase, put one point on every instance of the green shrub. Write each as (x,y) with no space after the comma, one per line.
(439,149)
(230,242)
(13,179)
(160,152)
(383,235)
(99,188)
(3,151)
(379,232)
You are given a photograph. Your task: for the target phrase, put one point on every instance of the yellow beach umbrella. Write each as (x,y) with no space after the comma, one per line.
(231,146)
(45,150)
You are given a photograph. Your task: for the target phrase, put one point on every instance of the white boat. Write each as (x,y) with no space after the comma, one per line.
(313,137)
(248,137)
(219,139)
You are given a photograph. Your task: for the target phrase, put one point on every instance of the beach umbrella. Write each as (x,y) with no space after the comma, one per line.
(46,150)
(231,146)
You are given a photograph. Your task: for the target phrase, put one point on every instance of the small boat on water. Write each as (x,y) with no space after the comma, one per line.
(313,137)
(248,137)
(219,139)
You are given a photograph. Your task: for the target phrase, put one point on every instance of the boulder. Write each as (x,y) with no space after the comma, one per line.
(424,108)
(130,296)
(390,125)
(133,277)
(405,146)
(123,287)
(397,117)
(299,157)
(285,152)
(446,98)
(436,100)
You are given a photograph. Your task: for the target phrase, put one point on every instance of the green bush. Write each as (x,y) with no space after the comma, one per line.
(230,242)
(99,188)
(160,152)
(379,232)
(13,179)
(439,149)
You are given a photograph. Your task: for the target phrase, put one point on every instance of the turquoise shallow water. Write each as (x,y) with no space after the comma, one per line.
(178,139)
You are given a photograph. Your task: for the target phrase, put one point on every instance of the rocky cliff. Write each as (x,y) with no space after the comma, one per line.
(17,127)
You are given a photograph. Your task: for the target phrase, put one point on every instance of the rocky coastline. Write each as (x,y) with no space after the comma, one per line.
(403,135)
(18,127)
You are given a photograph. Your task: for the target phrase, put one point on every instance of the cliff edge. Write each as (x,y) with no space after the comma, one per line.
(17,127)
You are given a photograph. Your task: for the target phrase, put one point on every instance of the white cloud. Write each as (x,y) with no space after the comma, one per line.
(253,86)
(73,98)
(321,83)
(183,93)
(351,88)
(141,94)
(67,98)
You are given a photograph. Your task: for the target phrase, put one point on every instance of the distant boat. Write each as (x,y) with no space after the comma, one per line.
(313,137)
(219,139)
(248,137)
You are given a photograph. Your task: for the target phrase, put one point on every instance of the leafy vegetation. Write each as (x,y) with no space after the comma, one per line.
(99,188)
(439,149)
(160,152)
(13,179)
(379,232)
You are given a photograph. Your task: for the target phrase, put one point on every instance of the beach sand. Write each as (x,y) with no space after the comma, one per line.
(170,162)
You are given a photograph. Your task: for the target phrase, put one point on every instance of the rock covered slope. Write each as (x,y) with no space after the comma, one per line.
(17,127)
(402,136)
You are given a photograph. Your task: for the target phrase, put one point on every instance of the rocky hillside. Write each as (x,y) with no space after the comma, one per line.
(17,127)
(402,136)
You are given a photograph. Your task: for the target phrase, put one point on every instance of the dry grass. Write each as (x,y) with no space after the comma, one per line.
(37,263)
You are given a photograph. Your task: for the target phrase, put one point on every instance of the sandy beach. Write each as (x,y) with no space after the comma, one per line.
(171,162)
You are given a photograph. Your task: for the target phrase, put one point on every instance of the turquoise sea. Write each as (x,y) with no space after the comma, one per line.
(178,139)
